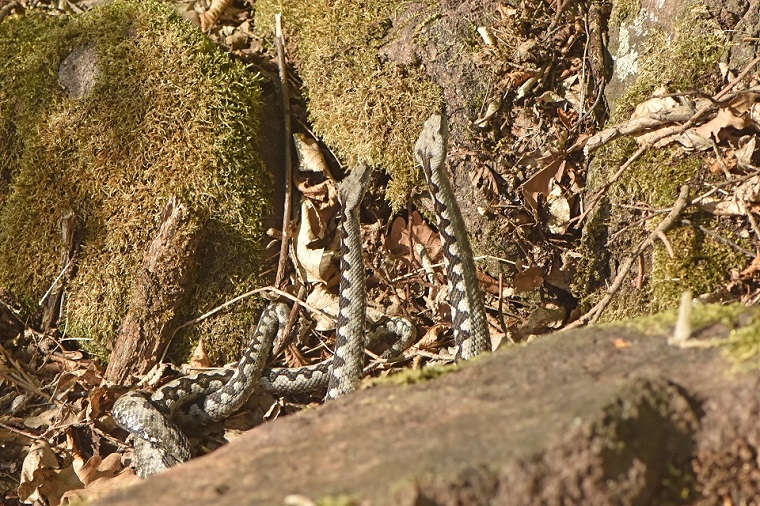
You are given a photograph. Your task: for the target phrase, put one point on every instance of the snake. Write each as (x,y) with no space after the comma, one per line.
(158,421)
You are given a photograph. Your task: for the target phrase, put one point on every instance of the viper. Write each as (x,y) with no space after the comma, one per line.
(157,421)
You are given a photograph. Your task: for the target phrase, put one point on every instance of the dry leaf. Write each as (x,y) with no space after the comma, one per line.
(745,153)
(541,183)
(749,190)
(487,283)
(200,358)
(484,178)
(726,118)
(42,479)
(398,238)
(310,157)
(211,16)
(655,106)
(541,320)
(99,476)
(752,269)
(315,256)
(321,298)
(691,140)
(559,211)
(529,279)
(493,107)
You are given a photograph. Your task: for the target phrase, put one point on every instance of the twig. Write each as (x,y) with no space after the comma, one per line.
(232,301)
(595,312)
(281,63)
(719,238)
(19,431)
(55,283)
(28,387)
(593,200)
(283,341)
(20,369)
(753,224)
(441,264)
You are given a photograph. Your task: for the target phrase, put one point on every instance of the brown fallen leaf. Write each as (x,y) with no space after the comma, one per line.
(200,358)
(211,16)
(727,118)
(528,279)
(310,156)
(398,238)
(321,298)
(752,269)
(316,246)
(42,478)
(484,178)
(542,182)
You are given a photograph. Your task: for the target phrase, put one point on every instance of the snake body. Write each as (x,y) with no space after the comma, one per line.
(350,338)
(157,421)
(468,316)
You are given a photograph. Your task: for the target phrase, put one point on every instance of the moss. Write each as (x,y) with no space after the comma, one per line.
(742,347)
(703,315)
(697,44)
(169,114)
(625,11)
(700,263)
(410,377)
(363,108)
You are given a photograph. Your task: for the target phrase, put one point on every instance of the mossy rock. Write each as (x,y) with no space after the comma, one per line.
(151,108)
(699,262)
(365,109)
(374,70)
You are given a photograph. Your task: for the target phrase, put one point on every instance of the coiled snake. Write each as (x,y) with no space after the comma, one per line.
(156,421)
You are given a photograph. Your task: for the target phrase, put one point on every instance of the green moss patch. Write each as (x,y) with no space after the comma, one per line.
(168,113)
(742,347)
(697,45)
(365,109)
(700,263)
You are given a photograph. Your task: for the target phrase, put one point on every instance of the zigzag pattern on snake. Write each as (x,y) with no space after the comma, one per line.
(206,397)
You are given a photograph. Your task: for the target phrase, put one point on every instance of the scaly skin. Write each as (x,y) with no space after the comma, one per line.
(468,316)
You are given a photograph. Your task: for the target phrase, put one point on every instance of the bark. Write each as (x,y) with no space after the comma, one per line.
(158,289)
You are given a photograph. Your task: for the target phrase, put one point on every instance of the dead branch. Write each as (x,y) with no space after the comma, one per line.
(158,289)
(594,199)
(681,203)
(286,212)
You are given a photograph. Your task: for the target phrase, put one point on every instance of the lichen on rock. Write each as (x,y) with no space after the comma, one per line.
(677,32)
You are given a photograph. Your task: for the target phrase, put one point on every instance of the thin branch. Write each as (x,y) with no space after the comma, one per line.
(719,238)
(232,301)
(594,199)
(281,63)
(595,312)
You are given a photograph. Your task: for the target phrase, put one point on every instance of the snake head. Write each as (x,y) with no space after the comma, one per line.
(353,186)
(431,144)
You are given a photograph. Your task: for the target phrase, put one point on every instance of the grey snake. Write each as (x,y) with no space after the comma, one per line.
(157,421)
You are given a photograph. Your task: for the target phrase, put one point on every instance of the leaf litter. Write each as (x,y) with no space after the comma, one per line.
(62,444)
